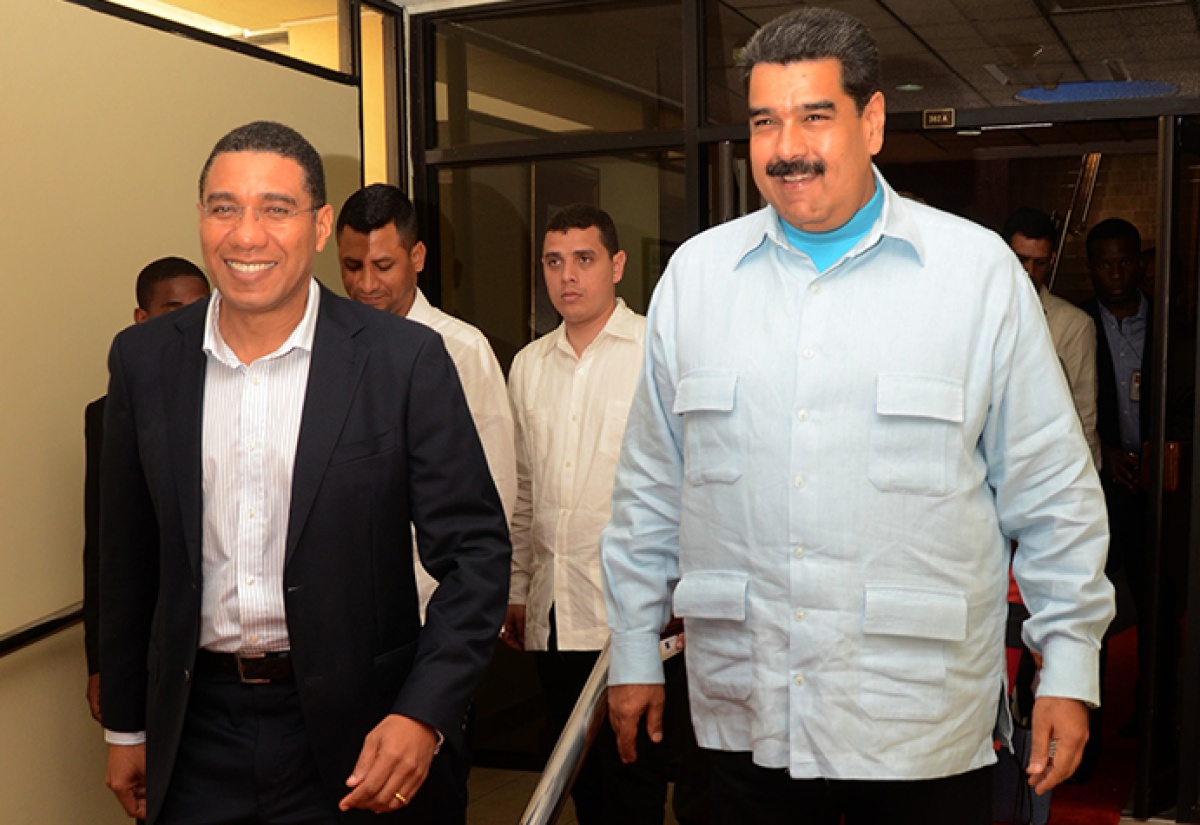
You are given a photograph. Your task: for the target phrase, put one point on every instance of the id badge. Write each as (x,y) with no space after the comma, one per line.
(1135,386)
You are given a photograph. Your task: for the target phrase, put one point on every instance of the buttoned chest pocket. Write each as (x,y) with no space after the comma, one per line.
(916,434)
(712,446)
(612,429)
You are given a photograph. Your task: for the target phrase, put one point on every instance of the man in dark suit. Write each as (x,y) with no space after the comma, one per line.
(1124,323)
(162,285)
(265,454)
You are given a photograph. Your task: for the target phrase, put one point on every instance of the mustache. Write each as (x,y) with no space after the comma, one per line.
(785,168)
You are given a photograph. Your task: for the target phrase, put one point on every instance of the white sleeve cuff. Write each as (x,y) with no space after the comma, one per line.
(116,737)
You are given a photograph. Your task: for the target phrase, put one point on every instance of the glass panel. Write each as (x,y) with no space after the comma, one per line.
(380,109)
(544,74)
(491,234)
(726,31)
(304,29)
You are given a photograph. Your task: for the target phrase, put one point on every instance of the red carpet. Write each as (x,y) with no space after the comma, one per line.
(1099,800)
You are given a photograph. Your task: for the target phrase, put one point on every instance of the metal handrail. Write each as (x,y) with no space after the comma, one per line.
(41,629)
(589,714)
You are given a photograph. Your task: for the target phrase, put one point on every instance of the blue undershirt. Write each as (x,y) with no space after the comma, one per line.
(827,248)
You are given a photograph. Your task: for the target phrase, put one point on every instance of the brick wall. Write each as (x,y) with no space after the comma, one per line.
(1126,187)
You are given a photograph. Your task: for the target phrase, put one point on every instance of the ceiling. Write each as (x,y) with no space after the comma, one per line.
(971,54)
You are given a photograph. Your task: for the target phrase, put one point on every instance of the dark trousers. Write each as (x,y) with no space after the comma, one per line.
(747,794)
(245,758)
(607,791)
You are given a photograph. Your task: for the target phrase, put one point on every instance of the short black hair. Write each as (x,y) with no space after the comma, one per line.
(585,216)
(1032,223)
(164,269)
(374,207)
(276,139)
(819,34)
(1113,229)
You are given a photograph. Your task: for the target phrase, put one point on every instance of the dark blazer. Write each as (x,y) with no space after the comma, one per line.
(1108,410)
(386,439)
(93,439)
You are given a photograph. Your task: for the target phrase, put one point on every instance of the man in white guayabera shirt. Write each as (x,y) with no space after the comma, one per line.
(849,406)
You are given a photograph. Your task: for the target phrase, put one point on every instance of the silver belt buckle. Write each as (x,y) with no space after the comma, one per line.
(245,680)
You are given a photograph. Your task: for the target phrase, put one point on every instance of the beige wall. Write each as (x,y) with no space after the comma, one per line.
(105,127)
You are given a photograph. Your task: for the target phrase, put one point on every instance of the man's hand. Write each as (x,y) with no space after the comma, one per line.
(1123,468)
(513,632)
(626,706)
(1063,722)
(394,762)
(127,777)
(93,695)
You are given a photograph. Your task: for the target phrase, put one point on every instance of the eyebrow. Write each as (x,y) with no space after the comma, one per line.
(815,106)
(268,197)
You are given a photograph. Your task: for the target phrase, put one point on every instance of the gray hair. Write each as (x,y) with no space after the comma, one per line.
(819,34)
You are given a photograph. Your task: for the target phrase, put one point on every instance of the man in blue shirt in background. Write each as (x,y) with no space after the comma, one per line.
(849,406)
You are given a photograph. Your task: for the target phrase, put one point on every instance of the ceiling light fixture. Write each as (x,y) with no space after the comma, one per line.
(909,87)
(1097,90)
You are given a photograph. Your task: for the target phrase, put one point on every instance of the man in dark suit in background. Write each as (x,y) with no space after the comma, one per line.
(1124,323)
(162,285)
(265,454)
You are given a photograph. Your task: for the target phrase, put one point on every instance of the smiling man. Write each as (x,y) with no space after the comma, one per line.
(848,408)
(265,454)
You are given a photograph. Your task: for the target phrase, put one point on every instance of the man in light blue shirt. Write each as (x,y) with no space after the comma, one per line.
(849,406)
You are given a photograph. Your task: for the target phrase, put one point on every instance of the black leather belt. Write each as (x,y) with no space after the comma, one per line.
(250,668)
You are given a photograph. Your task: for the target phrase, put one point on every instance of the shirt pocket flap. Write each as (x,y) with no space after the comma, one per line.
(921,396)
(915,612)
(718,594)
(706,390)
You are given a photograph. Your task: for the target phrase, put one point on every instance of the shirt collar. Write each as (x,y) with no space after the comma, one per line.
(621,324)
(301,337)
(895,221)
(421,310)
(1142,311)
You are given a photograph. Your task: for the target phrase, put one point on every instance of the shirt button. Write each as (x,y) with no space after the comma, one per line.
(814,289)
(798,679)
(802,415)
(568,464)
(799,615)
(808,352)
(254,637)
(251,446)
(254,380)
(799,482)
(249,580)
(798,552)
(252,514)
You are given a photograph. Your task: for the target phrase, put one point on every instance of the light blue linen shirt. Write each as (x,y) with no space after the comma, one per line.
(821,474)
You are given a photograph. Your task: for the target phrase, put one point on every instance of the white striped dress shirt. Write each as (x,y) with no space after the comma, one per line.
(251,424)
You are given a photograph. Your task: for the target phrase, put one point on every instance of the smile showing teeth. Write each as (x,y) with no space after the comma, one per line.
(797,178)
(241,266)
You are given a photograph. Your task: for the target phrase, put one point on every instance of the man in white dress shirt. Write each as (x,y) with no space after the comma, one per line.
(381,254)
(1031,234)
(266,454)
(571,391)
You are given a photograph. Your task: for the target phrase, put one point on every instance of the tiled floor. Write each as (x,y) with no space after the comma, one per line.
(499,797)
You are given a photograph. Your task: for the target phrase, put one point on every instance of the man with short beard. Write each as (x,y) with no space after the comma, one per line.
(849,407)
